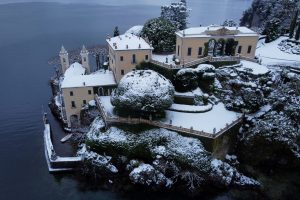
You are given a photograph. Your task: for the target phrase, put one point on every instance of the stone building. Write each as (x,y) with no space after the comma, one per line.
(197,42)
(78,86)
(125,52)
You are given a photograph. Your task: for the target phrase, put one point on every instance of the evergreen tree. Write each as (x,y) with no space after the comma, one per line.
(116,31)
(272,30)
(293,25)
(176,13)
(263,11)
(229,22)
(297,36)
(161,34)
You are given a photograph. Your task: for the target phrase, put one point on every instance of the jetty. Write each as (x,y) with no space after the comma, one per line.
(55,162)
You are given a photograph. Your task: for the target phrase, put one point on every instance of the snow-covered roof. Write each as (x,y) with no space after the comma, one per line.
(128,42)
(213,30)
(74,70)
(136,30)
(99,78)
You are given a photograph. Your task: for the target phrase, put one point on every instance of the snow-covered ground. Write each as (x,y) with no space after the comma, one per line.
(255,68)
(217,119)
(190,108)
(196,92)
(271,54)
(164,58)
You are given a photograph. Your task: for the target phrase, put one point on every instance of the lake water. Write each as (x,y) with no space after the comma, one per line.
(31,33)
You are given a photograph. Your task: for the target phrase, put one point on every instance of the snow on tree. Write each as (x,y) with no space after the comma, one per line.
(143,91)
(189,79)
(176,13)
(275,136)
(244,91)
(230,23)
(263,11)
(145,174)
(186,80)
(161,34)
(116,31)
(272,30)
(159,158)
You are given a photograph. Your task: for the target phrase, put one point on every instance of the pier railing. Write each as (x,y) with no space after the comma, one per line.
(108,119)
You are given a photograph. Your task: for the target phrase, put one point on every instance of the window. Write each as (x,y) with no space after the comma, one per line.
(71,93)
(73,104)
(189,51)
(64,60)
(121,58)
(240,49)
(178,50)
(249,49)
(133,59)
(84,102)
(122,72)
(200,51)
(90,92)
(84,59)
(146,57)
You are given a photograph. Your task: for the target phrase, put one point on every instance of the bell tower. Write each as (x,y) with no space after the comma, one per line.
(85,59)
(64,59)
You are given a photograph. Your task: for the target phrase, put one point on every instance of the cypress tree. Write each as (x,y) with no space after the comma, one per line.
(293,25)
(116,31)
(297,36)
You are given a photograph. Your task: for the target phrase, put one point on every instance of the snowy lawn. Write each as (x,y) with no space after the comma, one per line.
(255,68)
(271,54)
(217,118)
(163,58)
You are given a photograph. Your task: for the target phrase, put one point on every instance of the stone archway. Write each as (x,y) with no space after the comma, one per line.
(211,51)
(101,91)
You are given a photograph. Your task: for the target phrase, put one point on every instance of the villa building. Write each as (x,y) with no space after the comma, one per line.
(197,42)
(125,52)
(78,86)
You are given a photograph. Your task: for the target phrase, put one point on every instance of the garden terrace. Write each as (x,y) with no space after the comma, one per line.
(202,125)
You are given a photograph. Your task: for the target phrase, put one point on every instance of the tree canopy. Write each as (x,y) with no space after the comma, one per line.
(143,91)
(161,34)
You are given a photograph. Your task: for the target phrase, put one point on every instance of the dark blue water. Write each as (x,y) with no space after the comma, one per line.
(31,33)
